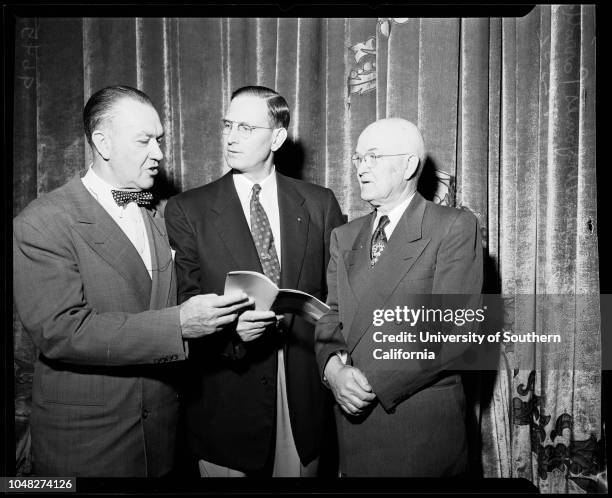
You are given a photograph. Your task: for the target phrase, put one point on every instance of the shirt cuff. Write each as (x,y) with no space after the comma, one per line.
(343,355)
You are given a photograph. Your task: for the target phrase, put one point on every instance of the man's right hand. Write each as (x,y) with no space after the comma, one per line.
(349,385)
(208,313)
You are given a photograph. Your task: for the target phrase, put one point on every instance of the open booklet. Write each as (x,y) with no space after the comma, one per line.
(268,296)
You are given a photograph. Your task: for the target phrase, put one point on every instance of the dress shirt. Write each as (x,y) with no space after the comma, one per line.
(394,216)
(268,198)
(128,217)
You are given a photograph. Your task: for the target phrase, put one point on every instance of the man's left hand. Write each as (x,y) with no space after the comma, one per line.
(253,323)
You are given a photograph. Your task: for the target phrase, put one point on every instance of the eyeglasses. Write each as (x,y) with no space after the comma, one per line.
(244,129)
(371,159)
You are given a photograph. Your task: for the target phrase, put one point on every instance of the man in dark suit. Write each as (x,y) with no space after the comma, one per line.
(94,286)
(395,416)
(258,406)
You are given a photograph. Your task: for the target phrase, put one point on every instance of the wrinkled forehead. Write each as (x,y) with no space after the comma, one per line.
(249,109)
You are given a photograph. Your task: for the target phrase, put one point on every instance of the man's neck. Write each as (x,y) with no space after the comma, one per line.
(260,174)
(103,172)
(387,207)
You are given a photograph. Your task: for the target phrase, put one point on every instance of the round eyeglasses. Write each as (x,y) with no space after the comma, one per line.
(371,158)
(244,129)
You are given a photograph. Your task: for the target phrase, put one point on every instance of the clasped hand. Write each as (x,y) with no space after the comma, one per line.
(349,386)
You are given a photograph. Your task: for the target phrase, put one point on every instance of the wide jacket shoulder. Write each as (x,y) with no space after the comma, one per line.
(306,189)
(212,195)
(70,201)
(438,218)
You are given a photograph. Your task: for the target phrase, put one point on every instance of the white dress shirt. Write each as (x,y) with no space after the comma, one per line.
(394,216)
(128,217)
(268,198)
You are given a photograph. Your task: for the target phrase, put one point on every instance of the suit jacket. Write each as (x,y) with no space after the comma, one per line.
(231,399)
(415,427)
(102,403)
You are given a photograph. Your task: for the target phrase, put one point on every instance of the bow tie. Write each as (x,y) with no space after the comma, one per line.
(123,197)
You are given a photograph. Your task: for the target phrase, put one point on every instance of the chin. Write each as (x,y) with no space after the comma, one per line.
(237,166)
(365,196)
(232,164)
(146,185)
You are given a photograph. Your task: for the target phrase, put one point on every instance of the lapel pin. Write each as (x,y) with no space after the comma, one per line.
(299,220)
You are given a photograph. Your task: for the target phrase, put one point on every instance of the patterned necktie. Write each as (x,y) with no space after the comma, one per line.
(123,197)
(263,238)
(379,240)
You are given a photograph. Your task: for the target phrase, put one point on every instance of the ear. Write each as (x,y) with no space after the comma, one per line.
(278,139)
(412,167)
(101,142)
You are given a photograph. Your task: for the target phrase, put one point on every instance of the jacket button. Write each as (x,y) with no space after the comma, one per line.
(145,413)
(264,381)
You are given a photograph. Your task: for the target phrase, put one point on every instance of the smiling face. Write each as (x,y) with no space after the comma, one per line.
(128,140)
(252,155)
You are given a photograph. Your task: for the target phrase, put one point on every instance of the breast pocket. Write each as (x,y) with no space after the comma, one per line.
(418,281)
(420,274)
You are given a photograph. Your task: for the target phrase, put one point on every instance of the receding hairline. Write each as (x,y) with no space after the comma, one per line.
(406,129)
(111,112)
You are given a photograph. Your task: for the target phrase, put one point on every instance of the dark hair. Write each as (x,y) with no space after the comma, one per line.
(278,109)
(100,104)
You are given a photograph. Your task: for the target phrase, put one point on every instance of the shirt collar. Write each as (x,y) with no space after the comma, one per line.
(394,215)
(244,186)
(100,188)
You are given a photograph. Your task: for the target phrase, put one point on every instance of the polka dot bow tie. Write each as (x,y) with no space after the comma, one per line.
(123,197)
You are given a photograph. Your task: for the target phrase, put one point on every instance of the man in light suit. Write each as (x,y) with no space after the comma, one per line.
(395,417)
(258,407)
(94,286)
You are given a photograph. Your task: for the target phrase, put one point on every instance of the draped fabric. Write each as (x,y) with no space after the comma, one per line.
(507,111)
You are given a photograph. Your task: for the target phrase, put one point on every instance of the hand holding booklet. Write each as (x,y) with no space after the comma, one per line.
(268,296)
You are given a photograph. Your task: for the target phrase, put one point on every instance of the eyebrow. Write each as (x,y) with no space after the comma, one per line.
(244,123)
(150,135)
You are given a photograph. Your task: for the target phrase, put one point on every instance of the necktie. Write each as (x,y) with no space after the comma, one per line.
(123,197)
(263,238)
(379,240)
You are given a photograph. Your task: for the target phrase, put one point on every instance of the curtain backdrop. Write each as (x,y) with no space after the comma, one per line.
(507,111)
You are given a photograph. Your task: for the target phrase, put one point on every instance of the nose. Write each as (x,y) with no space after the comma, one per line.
(362,168)
(156,153)
(232,136)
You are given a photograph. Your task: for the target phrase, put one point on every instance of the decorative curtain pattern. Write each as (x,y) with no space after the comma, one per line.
(507,110)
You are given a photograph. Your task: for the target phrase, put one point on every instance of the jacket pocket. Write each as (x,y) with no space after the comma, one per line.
(69,388)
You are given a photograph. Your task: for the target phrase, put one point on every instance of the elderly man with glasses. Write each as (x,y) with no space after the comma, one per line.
(257,406)
(396,416)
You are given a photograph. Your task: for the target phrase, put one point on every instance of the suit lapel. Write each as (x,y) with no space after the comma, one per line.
(232,227)
(161,259)
(404,248)
(357,260)
(107,239)
(294,222)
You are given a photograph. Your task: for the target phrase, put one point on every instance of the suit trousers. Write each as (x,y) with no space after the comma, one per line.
(286,459)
